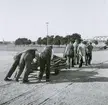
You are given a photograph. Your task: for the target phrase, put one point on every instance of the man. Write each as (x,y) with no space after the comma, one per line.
(45,58)
(82,53)
(25,62)
(13,67)
(75,51)
(89,52)
(69,52)
(36,62)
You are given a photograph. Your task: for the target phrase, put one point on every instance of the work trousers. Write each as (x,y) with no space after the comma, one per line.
(13,68)
(25,62)
(70,61)
(89,58)
(44,66)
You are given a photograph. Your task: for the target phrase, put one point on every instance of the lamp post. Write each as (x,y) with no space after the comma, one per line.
(47,31)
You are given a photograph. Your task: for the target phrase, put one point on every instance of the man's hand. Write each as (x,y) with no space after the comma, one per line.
(34,60)
(64,55)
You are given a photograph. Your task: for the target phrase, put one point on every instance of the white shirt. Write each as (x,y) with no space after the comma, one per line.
(82,49)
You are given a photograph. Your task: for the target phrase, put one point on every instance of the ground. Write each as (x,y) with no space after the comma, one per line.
(84,86)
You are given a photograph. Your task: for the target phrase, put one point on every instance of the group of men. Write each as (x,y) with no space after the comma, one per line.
(25,59)
(78,53)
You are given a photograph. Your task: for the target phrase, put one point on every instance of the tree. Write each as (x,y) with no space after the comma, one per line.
(62,40)
(106,42)
(72,38)
(22,41)
(95,42)
(50,40)
(67,39)
(44,41)
(39,41)
(29,42)
(85,42)
(57,40)
(76,36)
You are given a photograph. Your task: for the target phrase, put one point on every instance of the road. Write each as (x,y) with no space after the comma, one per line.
(84,86)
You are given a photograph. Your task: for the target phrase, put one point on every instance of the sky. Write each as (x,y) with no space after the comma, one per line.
(27,18)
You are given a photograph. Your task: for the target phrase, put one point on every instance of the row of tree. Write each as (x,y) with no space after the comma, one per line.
(58,40)
(50,40)
(53,40)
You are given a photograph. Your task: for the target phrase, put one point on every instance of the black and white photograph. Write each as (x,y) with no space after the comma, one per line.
(53,52)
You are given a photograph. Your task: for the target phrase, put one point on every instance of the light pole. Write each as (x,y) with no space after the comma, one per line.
(47,31)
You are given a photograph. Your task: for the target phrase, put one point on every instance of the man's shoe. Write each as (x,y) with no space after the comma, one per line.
(7,79)
(48,80)
(16,80)
(25,81)
(39,80)
(72,65)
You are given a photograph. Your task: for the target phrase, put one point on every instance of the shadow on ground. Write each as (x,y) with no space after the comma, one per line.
(78,76)
(96,65)
(73,76)
(84,74)
(100,65)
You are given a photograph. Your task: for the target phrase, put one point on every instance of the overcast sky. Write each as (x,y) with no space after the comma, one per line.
(27,18)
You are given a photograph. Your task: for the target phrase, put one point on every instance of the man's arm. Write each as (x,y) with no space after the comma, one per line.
(52,54)
(66,49)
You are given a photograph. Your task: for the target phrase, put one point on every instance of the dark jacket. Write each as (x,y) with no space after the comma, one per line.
(32,52)
(17,56)
(46,53)
(69,50)
(89,48)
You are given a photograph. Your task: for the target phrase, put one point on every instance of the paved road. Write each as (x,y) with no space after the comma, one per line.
(85,86)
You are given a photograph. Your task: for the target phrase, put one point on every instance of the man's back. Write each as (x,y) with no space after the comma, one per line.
(90,48)
(82,49)
(75,46)
(46,52)
(69,51)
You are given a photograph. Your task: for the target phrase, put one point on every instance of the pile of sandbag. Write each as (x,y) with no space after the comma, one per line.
(57,63)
